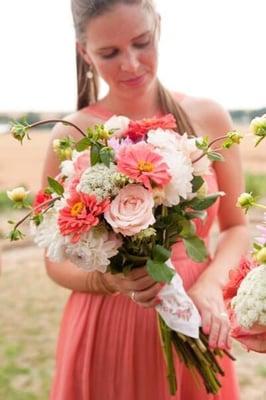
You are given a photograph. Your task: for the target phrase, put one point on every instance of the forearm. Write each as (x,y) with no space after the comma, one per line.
(71,277)
(233,244)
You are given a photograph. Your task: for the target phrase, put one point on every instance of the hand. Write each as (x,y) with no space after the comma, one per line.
(138,285)
(207,296)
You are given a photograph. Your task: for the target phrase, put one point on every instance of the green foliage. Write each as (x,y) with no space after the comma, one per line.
(195,248)
(55,186)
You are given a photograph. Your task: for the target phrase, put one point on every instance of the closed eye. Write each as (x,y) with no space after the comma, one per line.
(112,54)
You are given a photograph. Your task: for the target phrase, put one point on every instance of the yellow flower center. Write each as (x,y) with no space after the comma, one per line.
(144,166)
(76,209)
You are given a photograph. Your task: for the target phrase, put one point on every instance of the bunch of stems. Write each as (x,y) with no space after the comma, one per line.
(195,354)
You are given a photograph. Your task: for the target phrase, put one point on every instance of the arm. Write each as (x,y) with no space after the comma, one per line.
(233,241)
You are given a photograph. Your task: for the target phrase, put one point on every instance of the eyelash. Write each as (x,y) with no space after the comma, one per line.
(115,52)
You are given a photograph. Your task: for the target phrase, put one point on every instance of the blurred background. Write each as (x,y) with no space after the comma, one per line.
(209,48)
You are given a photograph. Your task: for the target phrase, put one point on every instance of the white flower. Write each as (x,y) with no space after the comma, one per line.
(164,139)
(250,302)
(67,168)
(100,181)
(47,235)
(188,147)
(180,169)
(118,124)
(94,249)
(18,194)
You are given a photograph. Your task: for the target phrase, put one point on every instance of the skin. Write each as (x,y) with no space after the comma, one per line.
(132,59)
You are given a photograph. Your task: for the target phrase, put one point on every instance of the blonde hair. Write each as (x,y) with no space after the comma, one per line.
(88,89)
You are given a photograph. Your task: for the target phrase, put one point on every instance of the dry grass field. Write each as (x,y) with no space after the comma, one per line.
(31,305)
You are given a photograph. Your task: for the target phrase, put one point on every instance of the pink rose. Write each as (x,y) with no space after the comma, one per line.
(131,211)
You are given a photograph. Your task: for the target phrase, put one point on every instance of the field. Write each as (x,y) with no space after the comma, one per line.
(31,305)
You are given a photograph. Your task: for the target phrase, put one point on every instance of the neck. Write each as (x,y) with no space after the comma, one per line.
(142,106)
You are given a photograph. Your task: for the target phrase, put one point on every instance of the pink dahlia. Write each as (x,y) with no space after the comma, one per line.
(80,215)
(236,276)
(137,130)
(140,162)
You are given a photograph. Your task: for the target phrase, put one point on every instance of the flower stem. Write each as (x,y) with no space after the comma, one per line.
(53,121)
(166,341)
(48,202)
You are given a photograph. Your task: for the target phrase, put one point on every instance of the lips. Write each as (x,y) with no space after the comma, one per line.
(135,81)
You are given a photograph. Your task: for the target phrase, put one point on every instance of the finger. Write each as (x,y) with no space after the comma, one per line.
(222,342)
(206,322)
(152,303)
(136,273)
(214,332)
(147,295)
(143,283)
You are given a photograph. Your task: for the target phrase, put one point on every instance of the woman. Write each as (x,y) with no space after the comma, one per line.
(108,346)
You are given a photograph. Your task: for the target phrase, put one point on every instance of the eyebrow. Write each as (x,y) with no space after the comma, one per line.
(135,38)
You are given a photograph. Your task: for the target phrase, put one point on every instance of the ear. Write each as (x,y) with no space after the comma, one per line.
(82,51)
(159,24)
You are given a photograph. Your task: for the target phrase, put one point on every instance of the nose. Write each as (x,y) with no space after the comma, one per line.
(130,62)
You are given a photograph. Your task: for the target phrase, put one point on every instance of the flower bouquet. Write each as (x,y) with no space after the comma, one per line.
(126,192)
(245,292)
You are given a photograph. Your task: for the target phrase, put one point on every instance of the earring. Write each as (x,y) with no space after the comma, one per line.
(89,73)
(91,84)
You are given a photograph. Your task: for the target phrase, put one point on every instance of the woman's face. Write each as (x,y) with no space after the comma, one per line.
(122,46)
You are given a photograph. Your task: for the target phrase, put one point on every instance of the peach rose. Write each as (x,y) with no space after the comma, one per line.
(131,210)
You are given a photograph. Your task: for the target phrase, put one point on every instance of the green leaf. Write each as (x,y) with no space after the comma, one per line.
(37,219)
(188,228)
(55,186)
(257,246)
(160,254)
(159,271)
(105,157)
(195,248)
(15,235)
(197,182)
(95,154)
(202,204)
(83,144)
(196,214)
(214,156)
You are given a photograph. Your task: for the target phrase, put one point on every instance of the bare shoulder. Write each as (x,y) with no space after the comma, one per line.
(82,119)
(207,116)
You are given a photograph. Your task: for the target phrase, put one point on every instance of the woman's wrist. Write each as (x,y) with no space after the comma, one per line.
(97,283)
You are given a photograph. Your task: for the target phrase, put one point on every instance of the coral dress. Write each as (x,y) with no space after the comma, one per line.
(109,348)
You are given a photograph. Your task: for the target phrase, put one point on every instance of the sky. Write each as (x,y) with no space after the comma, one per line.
(208,48)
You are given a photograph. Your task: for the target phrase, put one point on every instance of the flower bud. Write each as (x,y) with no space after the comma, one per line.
(18,194)
(260,256)
(235,137)
(245,201)
(258,125)
(158,196)
(202,191)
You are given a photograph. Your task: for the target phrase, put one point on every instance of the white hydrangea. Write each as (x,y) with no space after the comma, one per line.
(47,235)
(94,249)
(100,181)
(250,302)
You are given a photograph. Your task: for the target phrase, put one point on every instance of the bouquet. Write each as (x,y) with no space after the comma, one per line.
(126,192)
